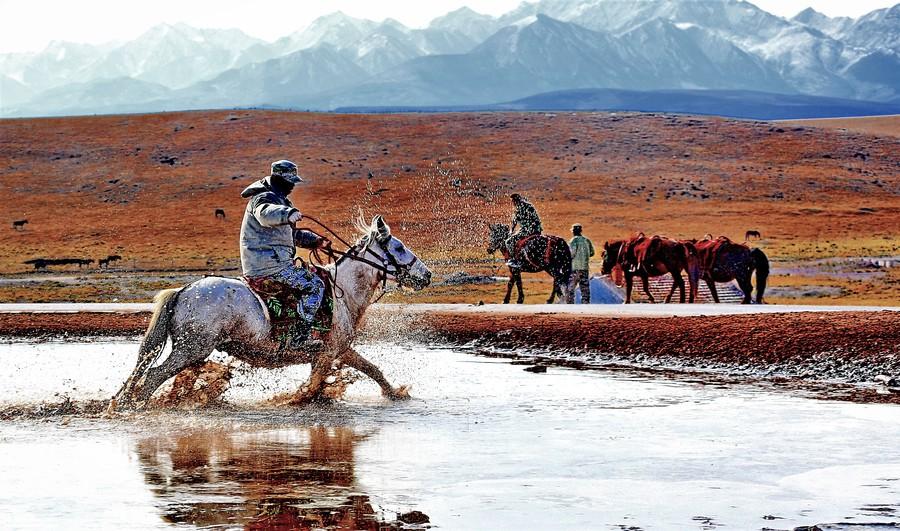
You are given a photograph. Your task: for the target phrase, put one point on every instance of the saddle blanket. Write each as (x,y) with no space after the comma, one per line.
(281,302)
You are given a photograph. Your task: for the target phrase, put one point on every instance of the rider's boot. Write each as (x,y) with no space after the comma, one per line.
(301,339)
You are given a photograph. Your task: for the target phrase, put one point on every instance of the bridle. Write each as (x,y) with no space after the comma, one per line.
(387,264)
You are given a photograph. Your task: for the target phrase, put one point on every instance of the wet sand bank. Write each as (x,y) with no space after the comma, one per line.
(852,346)
(803,342)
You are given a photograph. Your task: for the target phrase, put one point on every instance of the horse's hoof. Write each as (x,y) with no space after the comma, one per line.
(399,393)
(110,409)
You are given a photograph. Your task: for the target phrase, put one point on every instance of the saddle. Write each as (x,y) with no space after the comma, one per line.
(518,250)
(281,303)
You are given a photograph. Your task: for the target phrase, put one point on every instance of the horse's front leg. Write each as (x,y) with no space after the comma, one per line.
(521,298)
(553,291)
(677,282)
(311,390)
(629,285)
(354,359)
(672,291)
(646,281)
(509,286)
(712,290)
(747,287)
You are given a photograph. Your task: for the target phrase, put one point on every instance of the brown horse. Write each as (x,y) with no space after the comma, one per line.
(722,260)
(535,253)
(651,257)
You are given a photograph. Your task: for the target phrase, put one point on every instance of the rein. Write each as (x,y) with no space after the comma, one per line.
(388,260)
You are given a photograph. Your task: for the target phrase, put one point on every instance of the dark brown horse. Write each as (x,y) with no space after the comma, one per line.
(535,253)
(722,260)
(651,257)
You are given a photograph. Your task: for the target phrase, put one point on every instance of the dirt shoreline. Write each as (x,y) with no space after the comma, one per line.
(850,347)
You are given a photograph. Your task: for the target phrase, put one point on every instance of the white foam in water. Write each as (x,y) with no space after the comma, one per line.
(34,372)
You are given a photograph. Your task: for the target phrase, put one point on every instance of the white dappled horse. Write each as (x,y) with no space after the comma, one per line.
(224,314)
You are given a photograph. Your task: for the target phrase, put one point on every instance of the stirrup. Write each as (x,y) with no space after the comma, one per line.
(308,345)
(302,341)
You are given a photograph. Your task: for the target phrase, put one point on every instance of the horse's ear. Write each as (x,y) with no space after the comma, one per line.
(606,245)
(384,231)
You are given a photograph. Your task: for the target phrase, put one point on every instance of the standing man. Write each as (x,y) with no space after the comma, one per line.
(582,251)
(527,218)
(268,244)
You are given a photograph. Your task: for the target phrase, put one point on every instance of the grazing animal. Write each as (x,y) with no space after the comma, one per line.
(752,233)
(38,263)
(645,257)
(19,224)
(108,260)
(535,253)
(42,263)
(220,213)
(722,260)
(224,314)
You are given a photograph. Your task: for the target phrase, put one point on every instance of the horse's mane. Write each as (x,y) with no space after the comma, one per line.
(367,232)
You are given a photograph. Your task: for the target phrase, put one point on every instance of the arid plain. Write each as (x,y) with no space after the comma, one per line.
(824,196)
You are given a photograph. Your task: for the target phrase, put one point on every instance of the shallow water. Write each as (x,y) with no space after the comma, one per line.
(483,445)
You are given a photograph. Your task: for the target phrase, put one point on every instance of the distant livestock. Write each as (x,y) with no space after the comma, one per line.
(220,213)
(19,224)
(752,233)
(42,263)
(108,260)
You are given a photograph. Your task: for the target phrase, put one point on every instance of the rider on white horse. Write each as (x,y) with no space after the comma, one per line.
(268,241)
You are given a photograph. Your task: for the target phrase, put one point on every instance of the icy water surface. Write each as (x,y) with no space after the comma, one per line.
(483,445)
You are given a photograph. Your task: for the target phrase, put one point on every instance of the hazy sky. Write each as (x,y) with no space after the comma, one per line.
(28,25)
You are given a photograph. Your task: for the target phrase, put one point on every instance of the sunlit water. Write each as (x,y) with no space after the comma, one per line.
(483,445)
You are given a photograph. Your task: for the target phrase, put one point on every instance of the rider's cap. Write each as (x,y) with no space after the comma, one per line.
(287,170)
(576,226)
(515,196)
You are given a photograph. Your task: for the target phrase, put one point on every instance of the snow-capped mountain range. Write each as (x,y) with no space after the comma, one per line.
(467,58)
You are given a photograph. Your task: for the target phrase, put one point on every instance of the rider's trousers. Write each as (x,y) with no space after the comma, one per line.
(310,286)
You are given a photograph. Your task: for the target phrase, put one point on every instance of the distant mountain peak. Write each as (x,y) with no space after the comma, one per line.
(393,23)
(806,13)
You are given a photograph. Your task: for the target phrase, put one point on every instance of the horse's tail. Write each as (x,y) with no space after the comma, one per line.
(691,259)
(158,331)
(691,267)
(154,339)
(761,264)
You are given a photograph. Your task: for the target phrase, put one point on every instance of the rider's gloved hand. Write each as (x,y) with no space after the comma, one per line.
(323,243)
(295,216)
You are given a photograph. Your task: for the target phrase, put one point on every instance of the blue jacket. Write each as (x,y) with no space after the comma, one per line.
(268,240)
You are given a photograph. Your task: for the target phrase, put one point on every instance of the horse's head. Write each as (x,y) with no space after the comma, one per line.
(498,235)
(610,256)
(401,263)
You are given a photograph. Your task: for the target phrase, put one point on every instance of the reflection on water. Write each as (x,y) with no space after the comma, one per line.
(483,445)
(287,479)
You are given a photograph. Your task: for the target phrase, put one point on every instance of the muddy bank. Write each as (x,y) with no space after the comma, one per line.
(851,346)
(34,325)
